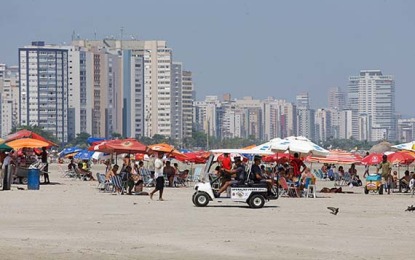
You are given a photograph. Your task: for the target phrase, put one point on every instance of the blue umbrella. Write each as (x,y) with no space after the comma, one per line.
(91,140)
(69,150)
(84,155)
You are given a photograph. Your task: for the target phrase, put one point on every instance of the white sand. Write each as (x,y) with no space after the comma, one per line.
(73,220)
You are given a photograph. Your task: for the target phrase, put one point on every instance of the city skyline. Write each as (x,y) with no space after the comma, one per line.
(300,47)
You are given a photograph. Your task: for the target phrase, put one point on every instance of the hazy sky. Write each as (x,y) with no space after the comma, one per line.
(257,48)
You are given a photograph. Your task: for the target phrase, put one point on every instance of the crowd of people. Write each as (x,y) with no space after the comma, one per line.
(131,177)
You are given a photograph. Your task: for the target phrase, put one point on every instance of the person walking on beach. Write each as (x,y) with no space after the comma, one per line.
(158,174)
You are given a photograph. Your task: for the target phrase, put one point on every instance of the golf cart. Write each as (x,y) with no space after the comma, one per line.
(374,184)
(254,194)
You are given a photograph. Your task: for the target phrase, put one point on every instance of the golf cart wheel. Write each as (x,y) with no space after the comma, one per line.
(23,180)
(201,199)
(381,190)
(256,201)
(193,197)
(366,190)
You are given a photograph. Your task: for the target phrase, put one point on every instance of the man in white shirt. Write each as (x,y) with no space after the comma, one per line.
(158,175)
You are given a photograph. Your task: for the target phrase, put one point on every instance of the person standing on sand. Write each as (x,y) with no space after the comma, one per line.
(386,169)
(44,158)
(158,175)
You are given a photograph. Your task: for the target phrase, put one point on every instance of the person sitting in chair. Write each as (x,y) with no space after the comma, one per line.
(71,165)
(85,172)
(238,172)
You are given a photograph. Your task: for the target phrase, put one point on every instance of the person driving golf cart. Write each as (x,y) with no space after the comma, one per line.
(257,175)
(240,176)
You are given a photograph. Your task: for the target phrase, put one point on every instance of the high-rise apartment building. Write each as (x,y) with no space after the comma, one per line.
(188,96)
(9,98)
(43,80)
(336,99)
(303,101)
(373,94)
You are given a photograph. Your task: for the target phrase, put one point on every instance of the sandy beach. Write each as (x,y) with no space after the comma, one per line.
(72,220)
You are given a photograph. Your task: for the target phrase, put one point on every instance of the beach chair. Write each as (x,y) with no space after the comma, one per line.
(318,173)
(337,179)
(287,189)
(181,179)
(117,183)
(346,179)
(101,181)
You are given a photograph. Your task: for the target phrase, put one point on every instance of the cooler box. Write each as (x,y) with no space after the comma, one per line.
(373,177)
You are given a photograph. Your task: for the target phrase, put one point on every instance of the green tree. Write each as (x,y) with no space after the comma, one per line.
(80,140)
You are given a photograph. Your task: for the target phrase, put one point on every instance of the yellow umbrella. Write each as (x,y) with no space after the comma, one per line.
(27,143)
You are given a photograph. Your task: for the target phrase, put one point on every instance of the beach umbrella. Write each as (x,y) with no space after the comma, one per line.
(69,151)
(405,146)
(94,140)
(5,148)
(372,159)
(298,144)
(29,134)
(279,158)
(27,143)
(402,157)
(84,155)
(197,157)
(119,146)
(168,149)
(336,157)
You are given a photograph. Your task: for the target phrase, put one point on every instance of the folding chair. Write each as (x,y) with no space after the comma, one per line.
(287,189)
(101,181)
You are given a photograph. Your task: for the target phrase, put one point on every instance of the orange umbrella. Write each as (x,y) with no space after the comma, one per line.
(29,134)
(166,148)
(27,143)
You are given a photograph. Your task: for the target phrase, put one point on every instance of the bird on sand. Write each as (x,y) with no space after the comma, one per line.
(334,210)
(410,208)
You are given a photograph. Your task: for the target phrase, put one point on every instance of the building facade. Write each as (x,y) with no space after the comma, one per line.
(43,83)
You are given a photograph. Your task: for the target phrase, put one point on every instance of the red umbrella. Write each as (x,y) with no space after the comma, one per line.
(402,157)
(28,134)
(372,159)
(198,157)
(336,156)
(118,146)
(278,158)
